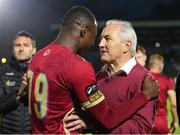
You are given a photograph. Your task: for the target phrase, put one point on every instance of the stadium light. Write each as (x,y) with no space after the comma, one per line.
(3,60)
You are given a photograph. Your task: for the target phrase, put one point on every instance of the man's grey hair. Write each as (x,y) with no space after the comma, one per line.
(127,33)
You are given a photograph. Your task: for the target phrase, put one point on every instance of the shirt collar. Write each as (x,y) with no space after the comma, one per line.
(128,66)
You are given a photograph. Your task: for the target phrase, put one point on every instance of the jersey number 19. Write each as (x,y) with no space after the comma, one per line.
(39,91)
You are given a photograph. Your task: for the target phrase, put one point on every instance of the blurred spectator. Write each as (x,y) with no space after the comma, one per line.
(156,65)
(141,55)
(14,107)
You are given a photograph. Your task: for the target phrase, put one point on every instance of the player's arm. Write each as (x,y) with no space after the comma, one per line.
(92,99)
(172,99)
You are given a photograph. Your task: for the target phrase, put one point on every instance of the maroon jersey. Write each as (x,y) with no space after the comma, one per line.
(161,122)
(50,99)
(55,72)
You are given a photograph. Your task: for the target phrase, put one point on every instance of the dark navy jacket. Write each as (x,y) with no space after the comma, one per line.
(14,114)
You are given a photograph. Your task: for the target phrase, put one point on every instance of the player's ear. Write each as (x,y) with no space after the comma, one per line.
(84,31)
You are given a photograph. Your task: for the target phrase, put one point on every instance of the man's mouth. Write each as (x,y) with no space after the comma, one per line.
(103,51)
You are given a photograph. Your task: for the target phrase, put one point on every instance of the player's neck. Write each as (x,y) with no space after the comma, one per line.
(65,41)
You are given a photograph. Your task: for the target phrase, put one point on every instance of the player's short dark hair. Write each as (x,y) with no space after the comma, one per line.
(26,34)
(78,15)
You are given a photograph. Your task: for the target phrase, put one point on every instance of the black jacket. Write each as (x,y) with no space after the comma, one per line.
(14,114)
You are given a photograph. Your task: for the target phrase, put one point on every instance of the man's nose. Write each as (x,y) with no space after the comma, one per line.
(21,48)
(102,43)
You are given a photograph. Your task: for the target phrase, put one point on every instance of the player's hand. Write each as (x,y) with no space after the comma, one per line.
(150,87)
(22,89)
(174,126)
(73,122)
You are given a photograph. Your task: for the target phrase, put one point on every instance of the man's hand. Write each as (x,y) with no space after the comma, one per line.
(73,122)
(150,87)
(174,126)
(22,89)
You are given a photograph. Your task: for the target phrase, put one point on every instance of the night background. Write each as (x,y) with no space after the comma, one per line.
(156,22)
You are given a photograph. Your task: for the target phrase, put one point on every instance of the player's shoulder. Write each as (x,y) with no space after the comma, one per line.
(80,68)
(81,62)
(49,49)
(166,78)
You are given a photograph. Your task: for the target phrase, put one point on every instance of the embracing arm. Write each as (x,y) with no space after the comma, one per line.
(92,99)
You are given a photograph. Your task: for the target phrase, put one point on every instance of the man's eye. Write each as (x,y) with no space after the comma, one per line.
(108,39)
(26,45)
(17,45)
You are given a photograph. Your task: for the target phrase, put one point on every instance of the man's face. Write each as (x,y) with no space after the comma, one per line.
(23,48)
(140,58)
(111,46)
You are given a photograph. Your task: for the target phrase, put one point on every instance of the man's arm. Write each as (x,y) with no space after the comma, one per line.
(172,99)
(10,100)
(92,99)
(132,124)
(6,100)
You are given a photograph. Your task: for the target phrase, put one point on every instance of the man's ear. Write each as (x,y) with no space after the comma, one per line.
(145,57)
(127,46)
(84,30)
(34,50)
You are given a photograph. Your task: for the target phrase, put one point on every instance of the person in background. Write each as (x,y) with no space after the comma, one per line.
(156,66)
(141,56)
(13,102)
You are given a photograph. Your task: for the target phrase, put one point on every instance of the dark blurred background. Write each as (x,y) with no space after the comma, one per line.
(157,24)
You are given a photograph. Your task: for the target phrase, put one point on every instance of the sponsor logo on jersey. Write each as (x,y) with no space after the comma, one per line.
(95,96)
(93,93)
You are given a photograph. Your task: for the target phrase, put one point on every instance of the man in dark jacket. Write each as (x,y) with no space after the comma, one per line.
(14,106)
